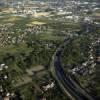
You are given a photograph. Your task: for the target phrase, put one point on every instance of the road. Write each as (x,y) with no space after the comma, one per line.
(70,88)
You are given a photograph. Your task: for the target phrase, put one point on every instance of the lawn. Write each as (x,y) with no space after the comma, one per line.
(35,23)
(49,36)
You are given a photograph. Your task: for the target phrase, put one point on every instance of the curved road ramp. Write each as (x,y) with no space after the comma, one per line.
(69,87)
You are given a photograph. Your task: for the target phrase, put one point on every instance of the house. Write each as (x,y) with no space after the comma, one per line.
(84,64)
(6,98)
(48,86)
(43,99)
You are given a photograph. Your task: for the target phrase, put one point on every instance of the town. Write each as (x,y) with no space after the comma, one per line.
(49,49)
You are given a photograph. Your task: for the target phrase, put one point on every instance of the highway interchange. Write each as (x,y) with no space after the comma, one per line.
(70,88)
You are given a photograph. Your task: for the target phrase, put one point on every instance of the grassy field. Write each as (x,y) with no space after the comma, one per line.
(35,23)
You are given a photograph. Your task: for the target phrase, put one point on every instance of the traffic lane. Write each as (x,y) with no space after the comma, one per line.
(66,85)
(66,79)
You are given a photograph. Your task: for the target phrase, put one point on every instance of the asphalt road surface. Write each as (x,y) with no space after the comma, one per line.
(74,91)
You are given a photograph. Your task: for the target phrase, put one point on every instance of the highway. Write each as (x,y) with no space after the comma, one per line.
(72,90)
